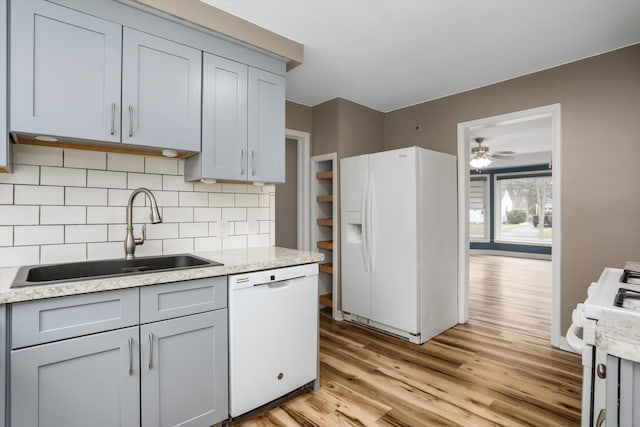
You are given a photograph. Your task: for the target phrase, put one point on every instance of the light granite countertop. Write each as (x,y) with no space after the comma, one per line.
(618,334)
(234,260)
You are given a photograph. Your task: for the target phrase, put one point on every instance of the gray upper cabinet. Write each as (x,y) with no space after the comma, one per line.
(243,111)
(161,92)
(64,72)
(86,381)
(266,126)
(224,124)
(184,371)
(5,157)
(78,76)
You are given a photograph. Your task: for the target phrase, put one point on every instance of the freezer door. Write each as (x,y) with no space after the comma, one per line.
(393,238)
(356,290)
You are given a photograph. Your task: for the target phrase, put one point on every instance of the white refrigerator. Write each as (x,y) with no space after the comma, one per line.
(399,241)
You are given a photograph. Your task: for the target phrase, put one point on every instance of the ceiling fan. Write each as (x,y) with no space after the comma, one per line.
(480,155)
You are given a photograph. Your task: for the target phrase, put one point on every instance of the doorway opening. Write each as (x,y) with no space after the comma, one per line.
(519,181)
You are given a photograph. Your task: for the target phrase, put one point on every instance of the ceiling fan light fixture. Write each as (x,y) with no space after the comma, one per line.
(479,162)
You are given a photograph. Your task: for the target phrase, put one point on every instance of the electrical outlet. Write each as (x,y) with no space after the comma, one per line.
(223,229)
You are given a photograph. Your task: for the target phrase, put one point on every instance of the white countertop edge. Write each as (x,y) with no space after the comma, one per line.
(618,334)
(235,261)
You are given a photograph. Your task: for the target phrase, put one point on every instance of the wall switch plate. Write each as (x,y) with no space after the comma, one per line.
(223,228)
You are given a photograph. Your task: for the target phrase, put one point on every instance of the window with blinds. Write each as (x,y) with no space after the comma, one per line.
(478,208)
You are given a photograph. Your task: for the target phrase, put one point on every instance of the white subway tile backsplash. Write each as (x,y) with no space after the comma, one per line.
(175,183)
(105,250)
(85,196)
(6,194)
(234,188)
(257,240)
(38,235)
(261,214)
(272,207)
(36,155)
(222,200)
(149,248)
(234,214)
(63,214)
(160,231)
(194,229)
(51,254)
(117,232)
(19,255)
(254,188)
(247,201)
(85,159)
(106,215)
(118,197)
(125,162)
(69,177)
(19,215)
(161,165)
(61,205)
(192,198)
(106,179)
(85,233)
(150,182)
(177,214)
(271,189)
(22,174)
(166,198)
(177,246)
(38,195)
(6,236)
(206,214)
(207,244)
(235,242)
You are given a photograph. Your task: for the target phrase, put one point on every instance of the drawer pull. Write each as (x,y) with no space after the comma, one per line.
(150,351)
(130,356)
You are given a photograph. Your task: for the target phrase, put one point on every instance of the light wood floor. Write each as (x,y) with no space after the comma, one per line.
(497,370)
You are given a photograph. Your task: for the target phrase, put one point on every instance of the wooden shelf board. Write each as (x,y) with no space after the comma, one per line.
(324,175)
(324,198)
(326,268)
(325,244)
(326,299)
(325,221)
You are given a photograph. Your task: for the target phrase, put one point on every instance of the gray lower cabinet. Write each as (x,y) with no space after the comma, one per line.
(184,371)
(154,356)
(86,381)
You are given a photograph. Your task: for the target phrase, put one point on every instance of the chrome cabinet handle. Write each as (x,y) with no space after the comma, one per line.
(253,162)
(130,121)
(602,417)
(113,118)
(150,350)
(130,356)
(242,162)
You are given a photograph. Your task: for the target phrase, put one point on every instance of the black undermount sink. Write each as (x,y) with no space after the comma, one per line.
(56,273)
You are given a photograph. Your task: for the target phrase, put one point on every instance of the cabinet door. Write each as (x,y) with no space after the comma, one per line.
(184,371)
(161,92)
(5,157)
(65,72)
(266,126)
(86,381)
(224,112)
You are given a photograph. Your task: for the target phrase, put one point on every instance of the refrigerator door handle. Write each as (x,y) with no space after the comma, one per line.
(363,223)
(370,242)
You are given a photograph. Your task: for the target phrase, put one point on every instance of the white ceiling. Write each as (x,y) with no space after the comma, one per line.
(388,54)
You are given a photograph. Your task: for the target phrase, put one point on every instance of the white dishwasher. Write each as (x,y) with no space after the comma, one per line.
(273,335)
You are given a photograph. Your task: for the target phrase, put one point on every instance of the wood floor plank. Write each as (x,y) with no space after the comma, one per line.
(498,369)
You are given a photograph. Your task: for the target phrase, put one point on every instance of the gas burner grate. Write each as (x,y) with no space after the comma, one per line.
(627,294)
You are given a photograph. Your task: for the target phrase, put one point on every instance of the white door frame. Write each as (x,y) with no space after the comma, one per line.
(304,159)
(554,111)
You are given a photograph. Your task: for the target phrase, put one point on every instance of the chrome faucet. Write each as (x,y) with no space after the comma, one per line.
(130,242)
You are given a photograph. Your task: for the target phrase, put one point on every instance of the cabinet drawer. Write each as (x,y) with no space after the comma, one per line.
(37,322)
(162,302)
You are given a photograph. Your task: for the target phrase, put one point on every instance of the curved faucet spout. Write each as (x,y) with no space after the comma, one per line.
(130,241)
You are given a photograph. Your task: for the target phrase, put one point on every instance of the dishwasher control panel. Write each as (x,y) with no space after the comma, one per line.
(255,278)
